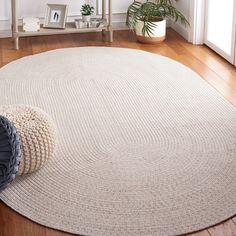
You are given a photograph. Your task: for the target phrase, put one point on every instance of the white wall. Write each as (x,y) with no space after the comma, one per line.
(184,7)
(4,15)
(36,8)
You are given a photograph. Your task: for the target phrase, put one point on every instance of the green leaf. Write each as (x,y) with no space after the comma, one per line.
(147,11)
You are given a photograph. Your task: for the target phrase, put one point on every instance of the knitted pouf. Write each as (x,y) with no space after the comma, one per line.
(37,133)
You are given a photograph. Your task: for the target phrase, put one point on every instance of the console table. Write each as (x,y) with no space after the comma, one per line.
(17,31)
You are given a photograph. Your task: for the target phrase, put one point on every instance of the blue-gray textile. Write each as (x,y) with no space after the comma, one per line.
(10,152)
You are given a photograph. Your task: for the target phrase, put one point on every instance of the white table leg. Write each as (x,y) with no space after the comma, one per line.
(14,24)
(110,22)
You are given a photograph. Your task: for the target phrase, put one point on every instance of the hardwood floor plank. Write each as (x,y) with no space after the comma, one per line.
(8,52)
(26,47)
(217,64)
(163,50)
(124,36)
(234,220)
(215,70)
(52,42)
(38,45)
(92,39)
(52,232)
(13,224)
(227,228)
(201,233)
(66,41)
(211,77)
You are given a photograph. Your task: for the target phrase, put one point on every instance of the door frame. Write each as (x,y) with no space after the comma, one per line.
(197,21)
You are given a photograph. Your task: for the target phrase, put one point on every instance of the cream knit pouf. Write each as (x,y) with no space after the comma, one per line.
(37,132)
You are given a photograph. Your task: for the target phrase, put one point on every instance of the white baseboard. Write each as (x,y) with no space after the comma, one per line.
(183,31)
(5,33)
(5,28)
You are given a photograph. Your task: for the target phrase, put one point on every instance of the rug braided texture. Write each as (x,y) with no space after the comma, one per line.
(145,145)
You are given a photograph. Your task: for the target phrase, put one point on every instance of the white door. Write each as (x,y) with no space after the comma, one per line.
(220,26)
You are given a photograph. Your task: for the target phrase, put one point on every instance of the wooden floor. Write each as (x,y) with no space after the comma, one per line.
(215,70)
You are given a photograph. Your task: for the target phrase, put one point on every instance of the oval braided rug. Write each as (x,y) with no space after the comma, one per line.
(145,146)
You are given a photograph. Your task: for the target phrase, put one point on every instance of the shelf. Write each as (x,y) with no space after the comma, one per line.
(17,31)
(70,29)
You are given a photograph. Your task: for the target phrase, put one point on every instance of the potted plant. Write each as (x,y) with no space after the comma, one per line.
(148,19)
(86,12)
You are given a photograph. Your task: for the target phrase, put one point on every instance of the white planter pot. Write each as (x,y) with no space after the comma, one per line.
(158,33)
(86,18)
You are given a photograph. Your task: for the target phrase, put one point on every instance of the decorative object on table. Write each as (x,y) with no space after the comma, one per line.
(97,22)
(37,132)
(86,11)
(80,24)
(93,23)
(147,147)
(31,24)
(10,152)
(56,16)
(148,19)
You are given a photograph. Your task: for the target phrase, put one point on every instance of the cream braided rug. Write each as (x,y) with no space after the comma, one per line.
(145,146)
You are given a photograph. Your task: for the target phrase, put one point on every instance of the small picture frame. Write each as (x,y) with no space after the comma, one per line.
(55,16)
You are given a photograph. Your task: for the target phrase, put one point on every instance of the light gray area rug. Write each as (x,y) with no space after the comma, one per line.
(145,146)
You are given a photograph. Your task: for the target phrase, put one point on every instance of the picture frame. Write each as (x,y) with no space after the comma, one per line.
(55,16)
